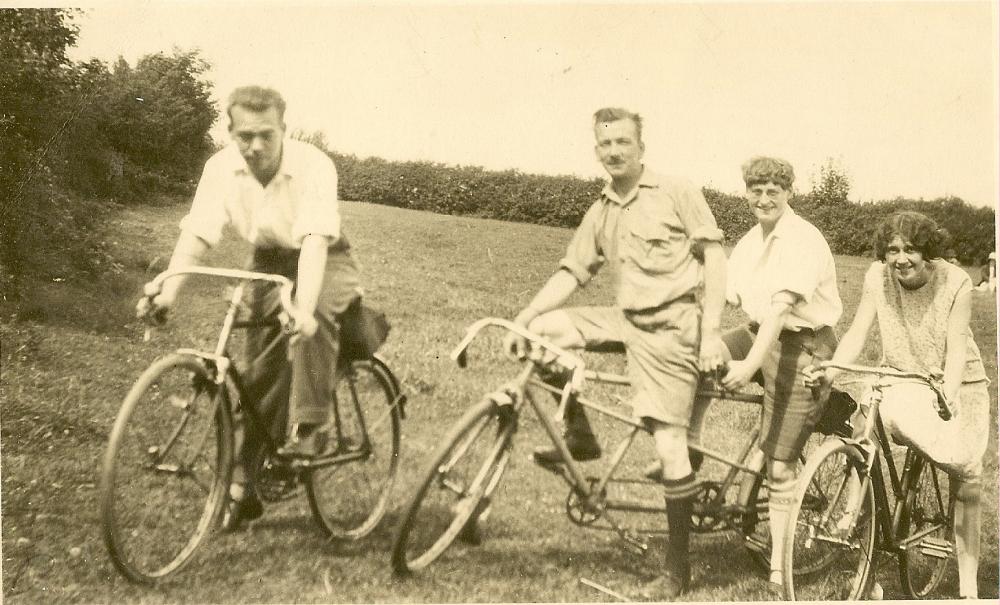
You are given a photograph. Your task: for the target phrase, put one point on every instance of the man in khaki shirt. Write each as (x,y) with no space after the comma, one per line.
(648,228)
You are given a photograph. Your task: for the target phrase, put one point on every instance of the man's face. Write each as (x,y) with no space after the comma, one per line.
(258,134)
(619,149)
(768,202)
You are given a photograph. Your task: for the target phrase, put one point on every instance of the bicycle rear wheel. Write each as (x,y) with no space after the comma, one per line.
(820,536)
(166,469)
(927,524)
(349,497)
(456,490)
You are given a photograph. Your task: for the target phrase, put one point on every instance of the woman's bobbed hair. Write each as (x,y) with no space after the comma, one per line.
(918,229)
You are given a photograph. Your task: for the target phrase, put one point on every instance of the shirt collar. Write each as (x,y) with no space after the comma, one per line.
(647,179)
(785,222)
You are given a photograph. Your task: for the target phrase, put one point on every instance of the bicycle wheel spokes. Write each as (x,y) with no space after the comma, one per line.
(926,528)
(348,499)
(830,541)
(456,490)
(165,470)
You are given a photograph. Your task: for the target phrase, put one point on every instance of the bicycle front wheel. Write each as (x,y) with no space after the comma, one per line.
(456,490)
(831,528)
(926,526)
(349,497)
(166,469)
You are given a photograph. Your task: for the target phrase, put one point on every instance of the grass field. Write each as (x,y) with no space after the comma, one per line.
(63,379)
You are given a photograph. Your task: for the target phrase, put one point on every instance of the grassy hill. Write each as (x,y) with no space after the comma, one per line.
(65,371)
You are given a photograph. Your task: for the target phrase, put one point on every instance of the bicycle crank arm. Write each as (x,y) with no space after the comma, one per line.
(632,541)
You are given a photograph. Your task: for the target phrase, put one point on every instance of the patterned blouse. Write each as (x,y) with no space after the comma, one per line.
(914,323)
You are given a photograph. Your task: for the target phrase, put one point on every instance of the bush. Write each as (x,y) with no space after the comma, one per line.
(562,200)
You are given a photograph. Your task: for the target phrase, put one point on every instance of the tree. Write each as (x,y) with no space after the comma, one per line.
(33,73)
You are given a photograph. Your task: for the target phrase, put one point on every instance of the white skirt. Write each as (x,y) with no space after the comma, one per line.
(956,445)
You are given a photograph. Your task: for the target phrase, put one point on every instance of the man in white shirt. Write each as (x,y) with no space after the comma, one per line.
(782,274)
(281,196)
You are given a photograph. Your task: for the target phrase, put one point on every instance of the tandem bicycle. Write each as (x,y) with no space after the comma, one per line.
(169,460)
(456,490)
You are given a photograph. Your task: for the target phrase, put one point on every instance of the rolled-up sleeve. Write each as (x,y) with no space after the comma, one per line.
(583,255)
(318,208)
(208,215)
(695,215)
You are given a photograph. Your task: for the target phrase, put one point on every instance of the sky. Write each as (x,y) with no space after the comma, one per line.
(901,96)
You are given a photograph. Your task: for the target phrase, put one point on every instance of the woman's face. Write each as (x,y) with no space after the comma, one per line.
(908,264)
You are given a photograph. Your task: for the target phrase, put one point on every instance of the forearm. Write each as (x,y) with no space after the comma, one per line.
(715,290)
(552,295)
(767,334)
(187,252)
(956,344)
(311,269)
(954,366)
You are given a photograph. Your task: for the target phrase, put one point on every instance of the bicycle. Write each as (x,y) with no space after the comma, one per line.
(856,522)
(455,493)
(169,460)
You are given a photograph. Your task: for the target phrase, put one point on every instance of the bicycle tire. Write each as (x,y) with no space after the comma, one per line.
(928,503)
(456,489)
(812,534)
(349,499)
(166,469)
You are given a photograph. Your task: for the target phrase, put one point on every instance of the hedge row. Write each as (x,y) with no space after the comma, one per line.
(562,200)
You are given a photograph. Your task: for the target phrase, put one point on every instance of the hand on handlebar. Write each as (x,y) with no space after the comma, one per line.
(154,305)
(739,375)
(303,327)
(814,376)
(818,379)
(710,354)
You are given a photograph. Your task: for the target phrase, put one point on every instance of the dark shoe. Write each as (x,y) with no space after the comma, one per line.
(306,441)
(582,449)
(238,511)
(654,470)
(470,533)
(664,588)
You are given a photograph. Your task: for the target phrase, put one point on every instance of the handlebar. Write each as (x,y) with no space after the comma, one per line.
(155,286)
(572,361)
(563,357)
(942,405)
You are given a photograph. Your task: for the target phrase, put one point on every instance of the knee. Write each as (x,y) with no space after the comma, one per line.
(556,326)
(671,445)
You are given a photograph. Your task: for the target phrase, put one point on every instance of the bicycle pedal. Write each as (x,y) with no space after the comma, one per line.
(636,545)
(936,548)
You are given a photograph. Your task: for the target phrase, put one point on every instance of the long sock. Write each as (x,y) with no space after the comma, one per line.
(778,502)
(679,495)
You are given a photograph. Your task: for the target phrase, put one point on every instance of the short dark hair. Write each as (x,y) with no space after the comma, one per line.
(256,98)
(918,229)
(613,114)
(759,170)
